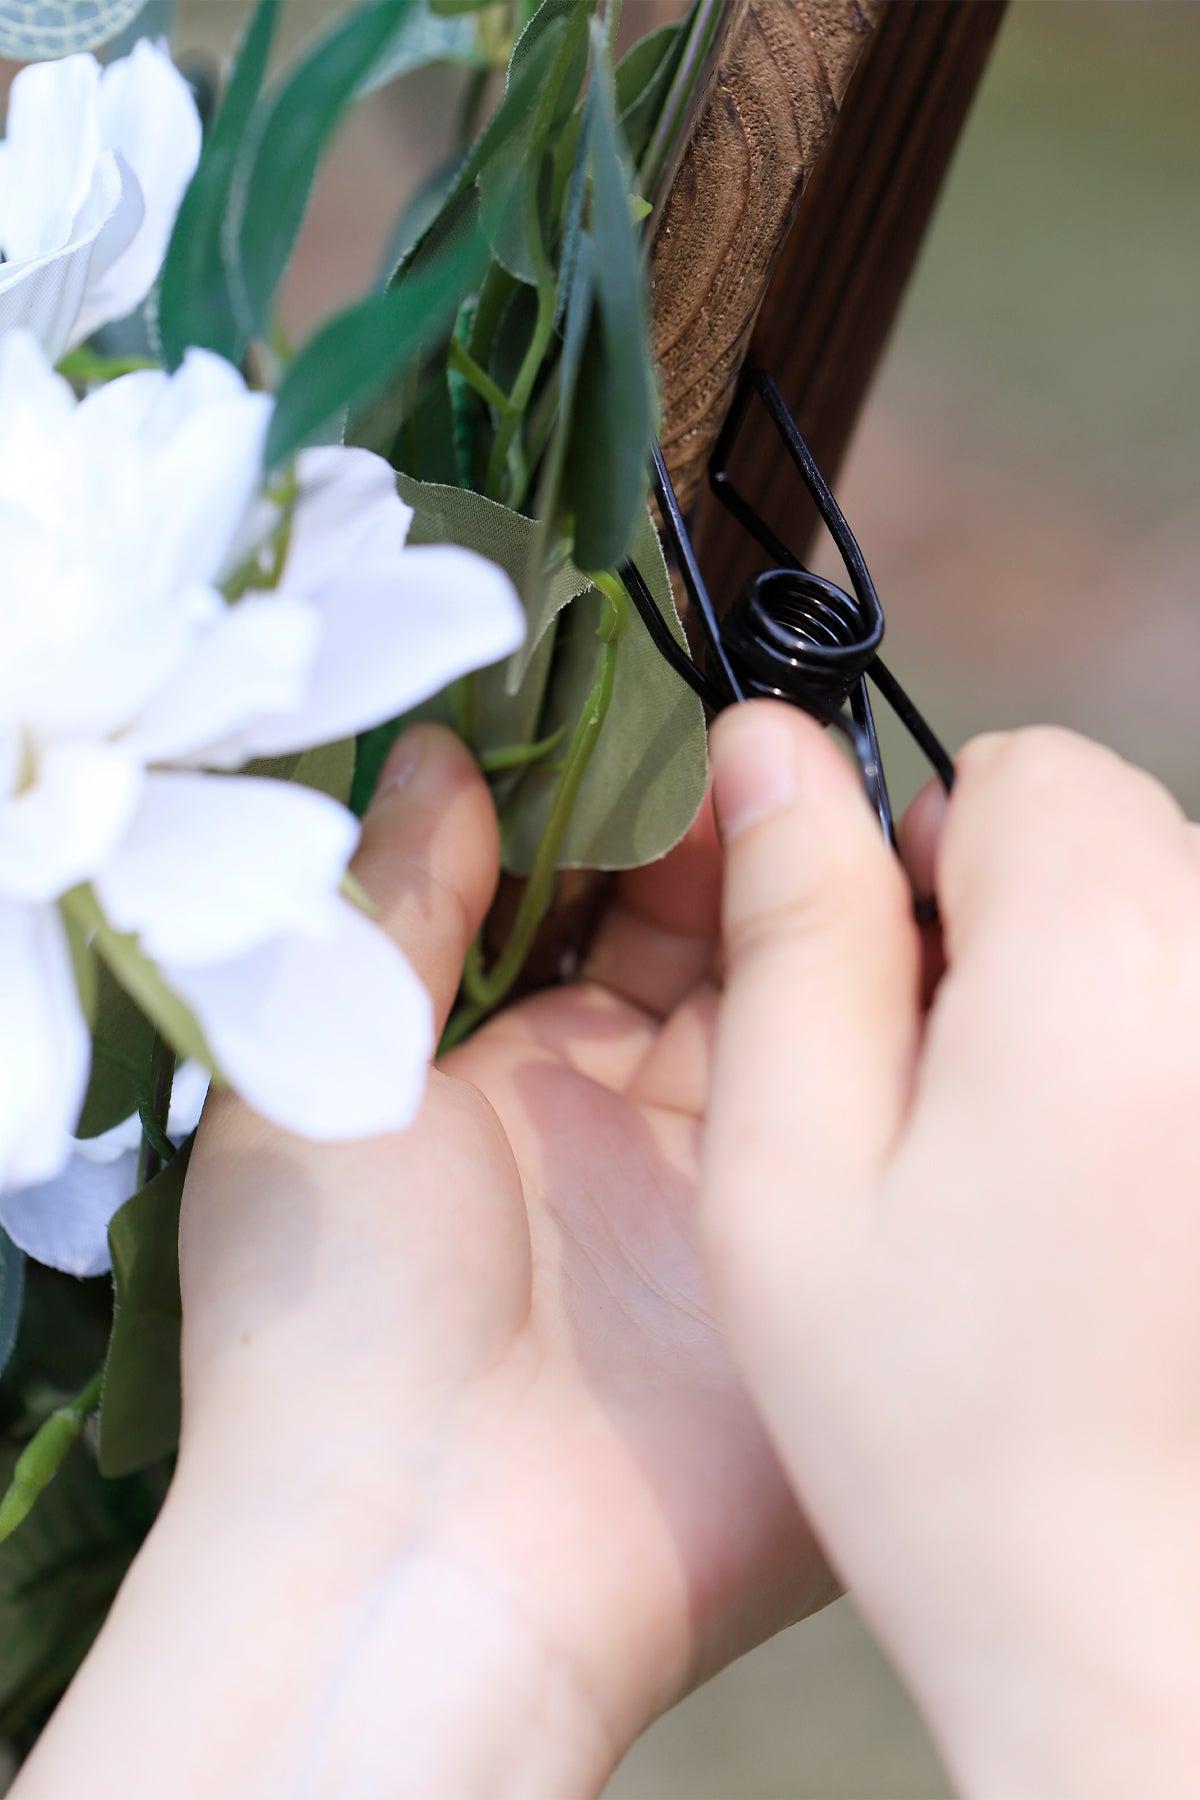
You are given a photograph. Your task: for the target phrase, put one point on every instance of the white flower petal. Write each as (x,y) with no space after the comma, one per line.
(52,146)
(73,665)
(348,516)
(148,115)
(214,865)
(64,1222)
(330,1038)
(191,447)
(189,1091)
(254,660)
(44,1045)
(390,637)
(57,831)
(36,407)
(44,293)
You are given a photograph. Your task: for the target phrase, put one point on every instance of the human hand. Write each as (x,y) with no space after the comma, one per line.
(468,1489)
(959,1254)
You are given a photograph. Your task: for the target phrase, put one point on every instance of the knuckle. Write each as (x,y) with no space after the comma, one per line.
(1036,755)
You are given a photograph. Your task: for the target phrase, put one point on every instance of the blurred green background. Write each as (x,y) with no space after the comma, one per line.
(1023,483)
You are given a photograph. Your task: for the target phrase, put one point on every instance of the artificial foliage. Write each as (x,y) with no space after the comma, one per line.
(501,364)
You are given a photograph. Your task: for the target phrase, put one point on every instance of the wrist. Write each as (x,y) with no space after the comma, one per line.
(599,1624)
(267,1650)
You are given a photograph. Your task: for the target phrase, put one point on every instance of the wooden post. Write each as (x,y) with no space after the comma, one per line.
(781,74)
(840,278)
(794,218)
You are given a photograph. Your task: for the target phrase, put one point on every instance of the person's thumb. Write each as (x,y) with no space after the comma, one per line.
(429,855)
(817,1028)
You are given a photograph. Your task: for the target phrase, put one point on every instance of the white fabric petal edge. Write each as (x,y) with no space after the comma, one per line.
(213,865)
(329,1038)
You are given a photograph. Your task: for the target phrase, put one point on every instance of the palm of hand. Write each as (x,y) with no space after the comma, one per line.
(631,1419)
(512,1293)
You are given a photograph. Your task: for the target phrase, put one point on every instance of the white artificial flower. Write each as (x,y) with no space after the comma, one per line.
(92,171)
(64,1221)
(126,675)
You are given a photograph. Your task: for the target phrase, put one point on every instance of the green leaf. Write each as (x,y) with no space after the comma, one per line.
(59,1573)
(426,36)
(613,415)
(528,69)
(139,1410)
(12,1293)
(648,772)
(555,42)
(329,769)
(122,1042)
(374,343)
(416,215)
(194,301)
(647,775)
(553,528)
(642,78)
(276,171)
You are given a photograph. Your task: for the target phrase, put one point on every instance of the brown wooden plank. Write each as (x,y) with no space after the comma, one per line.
(839,281)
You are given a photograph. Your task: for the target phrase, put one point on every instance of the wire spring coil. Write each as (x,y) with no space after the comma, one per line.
(790,634)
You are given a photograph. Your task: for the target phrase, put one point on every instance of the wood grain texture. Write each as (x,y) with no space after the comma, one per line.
(839,281)
(782,73)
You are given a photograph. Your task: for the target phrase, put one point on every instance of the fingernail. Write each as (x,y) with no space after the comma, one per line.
(402,763)
(753,756)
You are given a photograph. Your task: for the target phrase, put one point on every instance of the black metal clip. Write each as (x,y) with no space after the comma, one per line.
(790,634)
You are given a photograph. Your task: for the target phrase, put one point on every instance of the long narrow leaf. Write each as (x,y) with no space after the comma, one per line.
(528,67)
(194,302)
(613,417)
(276,172)
(370,346)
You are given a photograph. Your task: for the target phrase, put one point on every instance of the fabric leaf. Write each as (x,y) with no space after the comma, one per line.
(276,170)
(376,342)
(139,1409)
(648,773)
(194,302)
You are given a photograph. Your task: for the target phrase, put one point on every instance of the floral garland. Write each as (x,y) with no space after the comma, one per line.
(232,572)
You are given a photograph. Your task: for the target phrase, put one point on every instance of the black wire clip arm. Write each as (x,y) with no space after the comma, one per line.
(790,634)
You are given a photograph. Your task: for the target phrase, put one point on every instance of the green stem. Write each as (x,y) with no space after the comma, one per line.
(659,157)
(487,989)
(518,400)
(44,1455)
(461,359)
(519,756)
(504,444)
